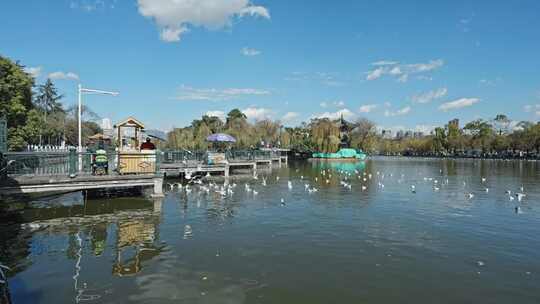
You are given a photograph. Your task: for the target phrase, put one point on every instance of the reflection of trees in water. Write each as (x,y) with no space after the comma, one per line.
(15,244)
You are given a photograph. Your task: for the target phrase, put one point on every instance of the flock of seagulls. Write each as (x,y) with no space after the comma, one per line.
(324,177)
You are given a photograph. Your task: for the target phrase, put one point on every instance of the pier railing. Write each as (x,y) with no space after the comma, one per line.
(73,163)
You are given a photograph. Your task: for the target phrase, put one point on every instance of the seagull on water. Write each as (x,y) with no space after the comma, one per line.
(520,196)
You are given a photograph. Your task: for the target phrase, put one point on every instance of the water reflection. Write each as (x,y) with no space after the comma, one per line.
(341,166)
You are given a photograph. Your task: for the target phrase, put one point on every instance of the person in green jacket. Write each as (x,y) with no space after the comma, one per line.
(101,161)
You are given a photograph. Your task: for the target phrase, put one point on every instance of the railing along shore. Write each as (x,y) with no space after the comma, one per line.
(71,163)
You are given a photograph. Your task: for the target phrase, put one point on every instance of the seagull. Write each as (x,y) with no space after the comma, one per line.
(255,192)
(413,188)
(508,192)
(521,188)
(511,197)
(487,190)
(470,195)
(436,188)
(312,190)
(277,178)
(289,184)
(483,179)
(518,210)
(364,188)
(264,181)
(520,196)
(282,202)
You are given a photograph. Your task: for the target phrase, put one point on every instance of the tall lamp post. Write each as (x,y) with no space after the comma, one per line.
(87,91)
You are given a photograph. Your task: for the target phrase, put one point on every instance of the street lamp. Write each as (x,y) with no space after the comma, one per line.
(88,91)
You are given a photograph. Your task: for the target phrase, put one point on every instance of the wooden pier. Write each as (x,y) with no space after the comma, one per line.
(42,184)
(57,172)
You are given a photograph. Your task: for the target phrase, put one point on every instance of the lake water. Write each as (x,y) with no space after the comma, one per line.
(381,244)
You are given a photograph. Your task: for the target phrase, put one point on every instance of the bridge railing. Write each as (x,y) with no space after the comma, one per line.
(74,163)
(184,156)
(178,156)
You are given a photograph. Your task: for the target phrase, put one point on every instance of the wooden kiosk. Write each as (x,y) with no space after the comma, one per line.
(131,160)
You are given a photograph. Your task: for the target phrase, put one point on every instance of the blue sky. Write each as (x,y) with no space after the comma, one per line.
(402,64)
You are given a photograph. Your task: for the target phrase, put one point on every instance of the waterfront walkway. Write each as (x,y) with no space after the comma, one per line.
(39,172)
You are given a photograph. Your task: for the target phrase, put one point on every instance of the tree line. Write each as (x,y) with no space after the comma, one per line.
(35,114)
(498,137)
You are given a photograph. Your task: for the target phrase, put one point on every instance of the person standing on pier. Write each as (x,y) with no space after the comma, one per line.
(148,145)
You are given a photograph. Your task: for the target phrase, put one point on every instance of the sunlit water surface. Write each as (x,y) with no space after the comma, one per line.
(381,244)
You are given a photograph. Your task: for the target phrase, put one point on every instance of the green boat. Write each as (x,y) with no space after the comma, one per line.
(342,154)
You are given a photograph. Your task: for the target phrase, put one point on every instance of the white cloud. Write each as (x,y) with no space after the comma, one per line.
(491,82)
(347,114)
(400,112)
(430,96)
(212,94)
(175,17)
(63,76)
(258,114)
(172,34)
(290,116)
(33,71)
(384,62)
(387,104)
(339,103)
(323,104)
(401,71)
(424,67)
(458,104)
(217,113)
(367,108)
(375,74)
(92,5)
(250,52)
(327,79)
(532,108)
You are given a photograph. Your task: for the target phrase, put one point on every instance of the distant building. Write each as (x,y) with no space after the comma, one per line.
(386,134)
(454,123)
(107,127)
(418,134)
(400,134)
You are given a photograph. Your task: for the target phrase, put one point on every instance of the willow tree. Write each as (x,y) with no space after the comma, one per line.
(200,133)
(267,130)
(238,127)
(180,138)
(325,135)
(364,135)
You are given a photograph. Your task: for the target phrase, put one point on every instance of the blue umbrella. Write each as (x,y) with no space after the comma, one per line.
(220,137)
